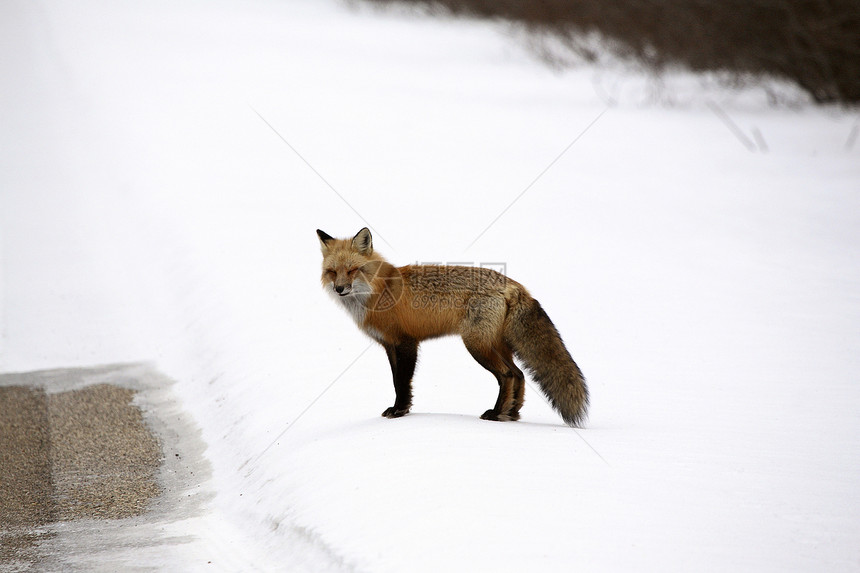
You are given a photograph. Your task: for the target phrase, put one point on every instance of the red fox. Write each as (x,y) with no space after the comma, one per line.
(496,317)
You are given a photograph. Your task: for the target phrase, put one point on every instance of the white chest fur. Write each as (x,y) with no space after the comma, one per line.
(356,305)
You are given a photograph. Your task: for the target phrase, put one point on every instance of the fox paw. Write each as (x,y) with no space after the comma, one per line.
(496,417)
(394,412)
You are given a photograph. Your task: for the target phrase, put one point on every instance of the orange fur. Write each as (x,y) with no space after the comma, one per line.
(495,316)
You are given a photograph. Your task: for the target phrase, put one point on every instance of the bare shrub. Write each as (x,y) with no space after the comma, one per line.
(815,43)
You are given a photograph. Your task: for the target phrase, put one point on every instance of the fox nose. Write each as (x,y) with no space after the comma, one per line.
(339,289)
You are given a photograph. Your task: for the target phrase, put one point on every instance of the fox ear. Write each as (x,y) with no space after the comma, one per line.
(325,239)
(363,242)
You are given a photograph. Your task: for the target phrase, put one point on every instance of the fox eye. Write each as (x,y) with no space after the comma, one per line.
(331,272)
(352,270)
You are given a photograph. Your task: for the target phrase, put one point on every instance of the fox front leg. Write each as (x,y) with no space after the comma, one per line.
(402,358)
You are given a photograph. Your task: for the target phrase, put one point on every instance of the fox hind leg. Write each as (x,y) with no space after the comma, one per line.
(511,396)
(519,392)
(498,359)
(503,411)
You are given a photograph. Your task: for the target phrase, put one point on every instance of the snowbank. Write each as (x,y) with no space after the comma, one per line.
(708,288)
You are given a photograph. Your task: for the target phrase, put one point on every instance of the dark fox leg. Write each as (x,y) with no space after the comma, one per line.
(519,391)
(509,402)
(402,359)
(499,361)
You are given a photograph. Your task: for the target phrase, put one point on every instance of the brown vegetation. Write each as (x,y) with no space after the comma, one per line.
(815,43)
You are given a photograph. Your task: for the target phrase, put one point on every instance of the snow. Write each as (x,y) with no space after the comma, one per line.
(165,166)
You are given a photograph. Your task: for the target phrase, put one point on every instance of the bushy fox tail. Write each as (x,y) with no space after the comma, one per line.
(536,342)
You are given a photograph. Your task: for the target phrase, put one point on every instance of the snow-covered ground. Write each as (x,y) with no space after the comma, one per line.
(164,167)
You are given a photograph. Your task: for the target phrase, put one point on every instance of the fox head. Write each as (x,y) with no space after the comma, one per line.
(346,268)
(357,276)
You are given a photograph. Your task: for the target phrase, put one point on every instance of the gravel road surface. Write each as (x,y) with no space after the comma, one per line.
(94,464)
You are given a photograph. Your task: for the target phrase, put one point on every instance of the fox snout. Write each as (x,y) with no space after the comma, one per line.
(343,290)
